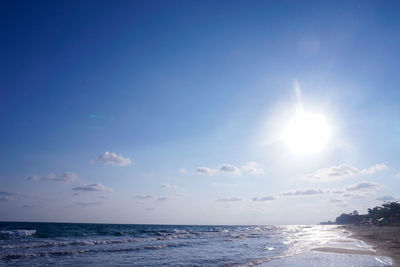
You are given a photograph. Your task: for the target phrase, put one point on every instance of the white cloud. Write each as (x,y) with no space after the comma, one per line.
(111,158)
(67,177)
(333,173)
(169,186)
(303,192)
(84,204)
(354,196)
(398,174)
(375,168)
(335,200)
(93,187)
(230,169)
(144,197)
(205,170)
(363,186)
(33,178)
(49,177)
(386,198)
(225,185)
(343,171)
(253,167)
(157,198)
(232,199)
(267,198)
(250,167)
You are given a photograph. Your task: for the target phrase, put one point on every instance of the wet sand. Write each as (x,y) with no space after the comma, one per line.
(344,251)
(384,239)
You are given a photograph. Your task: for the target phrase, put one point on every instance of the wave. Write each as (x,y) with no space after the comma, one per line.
(80,251)
(253,262)
(91,242)
(19,232)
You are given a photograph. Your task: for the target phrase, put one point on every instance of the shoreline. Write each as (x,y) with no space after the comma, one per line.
(384,239)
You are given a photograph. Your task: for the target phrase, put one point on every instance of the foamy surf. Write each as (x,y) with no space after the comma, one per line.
(168,245)
(18,232)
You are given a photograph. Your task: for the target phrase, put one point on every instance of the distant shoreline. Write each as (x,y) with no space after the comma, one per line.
(384,239)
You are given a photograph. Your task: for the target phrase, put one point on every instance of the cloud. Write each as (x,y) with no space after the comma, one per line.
(386,198)
(30,206)
(343,171)
(155,198)
(303,192)
(143,197)
(67,177)
(232,199)
(267,198)
(376,168)
(169,186)
(5,198)
(205,170)
(111,158)
(333,173)
(33,178)
(335,200)
(354,196)
(6,193)
(363,186)
(92,188)
(253,167)
(225,185)
(230,169)
(84,204)
(250,167)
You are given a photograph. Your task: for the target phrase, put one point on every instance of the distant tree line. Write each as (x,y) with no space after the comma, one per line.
(387,214)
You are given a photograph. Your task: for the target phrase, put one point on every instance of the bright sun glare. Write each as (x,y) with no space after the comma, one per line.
(306,133)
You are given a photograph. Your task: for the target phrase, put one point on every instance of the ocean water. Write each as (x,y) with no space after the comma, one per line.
(38,244)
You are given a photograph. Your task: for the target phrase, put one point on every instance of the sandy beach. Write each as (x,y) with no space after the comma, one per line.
(384,239)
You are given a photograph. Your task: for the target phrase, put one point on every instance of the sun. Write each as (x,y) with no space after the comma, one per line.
(306,133)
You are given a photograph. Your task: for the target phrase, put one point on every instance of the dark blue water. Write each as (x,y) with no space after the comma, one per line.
(38,244)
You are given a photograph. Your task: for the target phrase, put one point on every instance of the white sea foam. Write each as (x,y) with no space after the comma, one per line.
(184,245)
(80,251)
(18,232)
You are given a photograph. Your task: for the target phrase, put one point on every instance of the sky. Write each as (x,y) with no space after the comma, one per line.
(198,112)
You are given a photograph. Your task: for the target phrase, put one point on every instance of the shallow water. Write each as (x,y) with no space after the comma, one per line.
(160,245)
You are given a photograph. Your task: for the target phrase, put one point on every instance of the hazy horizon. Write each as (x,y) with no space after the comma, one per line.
(198,112)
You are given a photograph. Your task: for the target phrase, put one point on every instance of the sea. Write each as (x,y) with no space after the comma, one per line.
(79,244)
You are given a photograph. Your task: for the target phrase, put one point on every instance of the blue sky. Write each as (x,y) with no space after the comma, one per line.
(174,111)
